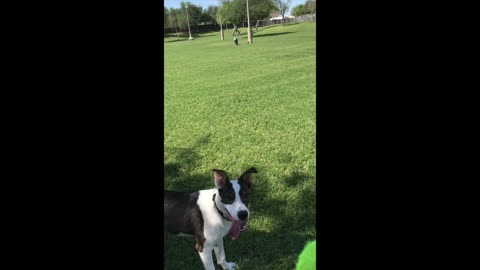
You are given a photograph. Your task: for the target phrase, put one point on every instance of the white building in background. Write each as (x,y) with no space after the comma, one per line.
(279,17)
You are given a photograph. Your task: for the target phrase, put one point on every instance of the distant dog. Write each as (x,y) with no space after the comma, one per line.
(208,215)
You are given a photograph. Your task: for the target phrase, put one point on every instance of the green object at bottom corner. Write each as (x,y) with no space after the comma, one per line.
(307,259)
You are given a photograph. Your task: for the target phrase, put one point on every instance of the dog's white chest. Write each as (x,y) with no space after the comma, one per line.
(214,226)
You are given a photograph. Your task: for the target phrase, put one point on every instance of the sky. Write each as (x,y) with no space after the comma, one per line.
(206,3)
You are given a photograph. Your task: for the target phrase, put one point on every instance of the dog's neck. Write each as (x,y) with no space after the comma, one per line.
(224,215)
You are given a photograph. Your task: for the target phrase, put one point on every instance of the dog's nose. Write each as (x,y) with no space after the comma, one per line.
(243,215)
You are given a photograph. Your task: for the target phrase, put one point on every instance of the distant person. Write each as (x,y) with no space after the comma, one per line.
(235,29)
(256,26)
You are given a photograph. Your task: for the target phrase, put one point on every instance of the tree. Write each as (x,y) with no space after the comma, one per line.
(311,7)
(218,18)
(165,16)
(223,12)
(235,11)
(210,14)
(172,21)
(182,17)
(298,10)
(260,9)
(194,13)
(282,6)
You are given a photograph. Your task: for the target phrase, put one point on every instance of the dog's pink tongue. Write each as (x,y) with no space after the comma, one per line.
(235,229)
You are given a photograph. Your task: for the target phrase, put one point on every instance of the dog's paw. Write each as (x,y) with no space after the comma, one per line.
(228,265)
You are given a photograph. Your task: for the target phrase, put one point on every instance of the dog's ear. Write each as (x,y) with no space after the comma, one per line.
(247,176)
(221,178)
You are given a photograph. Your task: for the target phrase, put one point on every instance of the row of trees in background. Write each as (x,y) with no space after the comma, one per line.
(235,11)
(176,18)
(230,11)
(309,7)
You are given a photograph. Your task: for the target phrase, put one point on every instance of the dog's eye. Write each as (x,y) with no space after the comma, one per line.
(228,198)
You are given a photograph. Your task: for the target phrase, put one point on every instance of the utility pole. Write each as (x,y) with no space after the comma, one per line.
(221,27)
(250,40)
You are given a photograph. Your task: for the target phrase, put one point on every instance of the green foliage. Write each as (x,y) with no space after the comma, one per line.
(311,6)
(172,20)
(210,14)
(230,11)
(222,12)
(298,10)
(231,107)
(177,18)
(260,9)
(194,13)
(165,16)
(235,11)
(180,18)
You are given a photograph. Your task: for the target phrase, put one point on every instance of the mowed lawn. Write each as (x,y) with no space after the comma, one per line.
(232,107)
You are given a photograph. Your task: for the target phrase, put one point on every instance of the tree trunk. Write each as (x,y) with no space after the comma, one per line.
(249,38)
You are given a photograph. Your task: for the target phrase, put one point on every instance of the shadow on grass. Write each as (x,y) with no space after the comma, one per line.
(272,34)
(268,26)
(177,173)
(288,234)
(183,37)
(275,246)
(176,40)
(208,34)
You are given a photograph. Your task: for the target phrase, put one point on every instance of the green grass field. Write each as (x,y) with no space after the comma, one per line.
(232,107)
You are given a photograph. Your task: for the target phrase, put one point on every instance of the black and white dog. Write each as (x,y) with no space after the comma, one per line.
(208,215)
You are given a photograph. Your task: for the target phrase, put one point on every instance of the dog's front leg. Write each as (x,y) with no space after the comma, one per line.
(220,254)
(206,256)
